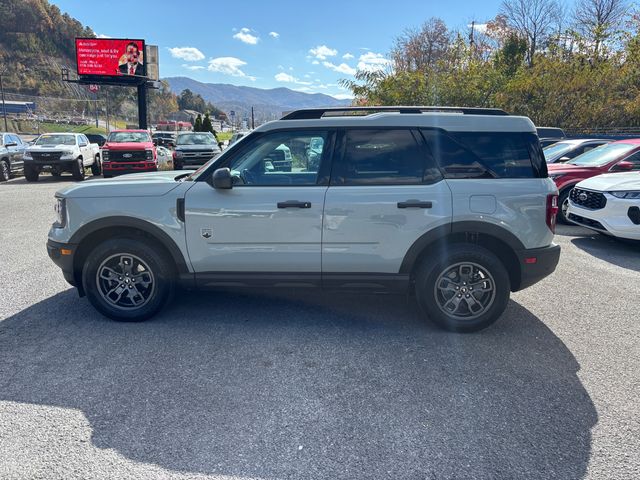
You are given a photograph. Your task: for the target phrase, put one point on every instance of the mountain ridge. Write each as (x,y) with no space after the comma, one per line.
(268,103)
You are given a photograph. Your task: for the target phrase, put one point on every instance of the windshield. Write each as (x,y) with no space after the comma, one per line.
(56,140)
(602,155)
(128,137)
(557,150)
(196,139)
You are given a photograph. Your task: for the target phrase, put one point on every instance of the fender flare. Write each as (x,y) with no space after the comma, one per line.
(439,234)
(130,222)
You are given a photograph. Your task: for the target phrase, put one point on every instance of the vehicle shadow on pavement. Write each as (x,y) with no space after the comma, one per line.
(617,252)
(307,386)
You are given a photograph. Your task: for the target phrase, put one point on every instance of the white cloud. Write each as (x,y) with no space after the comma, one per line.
(343,96)
(315,62)
(228,66)
(286,78)
(348,56)
(190,54)
(303,89)
(342,68)
(321,52)
(274,34)
(373,62)
(245,36)
(102,35)
(479,27)
(193,67)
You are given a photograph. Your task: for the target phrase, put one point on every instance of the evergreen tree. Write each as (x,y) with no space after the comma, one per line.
(197,127)
(206,124)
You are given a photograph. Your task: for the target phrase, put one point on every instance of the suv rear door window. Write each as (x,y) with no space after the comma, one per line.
(384,157)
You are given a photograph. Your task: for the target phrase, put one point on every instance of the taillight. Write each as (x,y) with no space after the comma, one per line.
(552,211)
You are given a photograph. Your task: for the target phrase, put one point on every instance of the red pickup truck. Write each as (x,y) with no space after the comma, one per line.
(128,151)
(621,156)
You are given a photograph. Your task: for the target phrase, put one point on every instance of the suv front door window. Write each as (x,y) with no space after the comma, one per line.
(271,220)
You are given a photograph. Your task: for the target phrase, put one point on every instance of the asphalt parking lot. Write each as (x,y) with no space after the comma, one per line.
(264,386)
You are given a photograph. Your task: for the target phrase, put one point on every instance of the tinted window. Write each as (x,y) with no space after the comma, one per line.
(384,157)
(129,137)
(54,139)
(635,159)
(280,158)
(487,154)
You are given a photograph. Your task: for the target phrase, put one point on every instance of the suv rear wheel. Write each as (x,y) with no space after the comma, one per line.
(127,280)
(463,289)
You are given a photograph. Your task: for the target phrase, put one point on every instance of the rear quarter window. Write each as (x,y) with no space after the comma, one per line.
(487,154)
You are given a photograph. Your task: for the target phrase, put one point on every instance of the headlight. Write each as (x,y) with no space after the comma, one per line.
(61,213)
(149,154)
(631,195)
(66,153)
(105,154)
(27,156)
(555,176)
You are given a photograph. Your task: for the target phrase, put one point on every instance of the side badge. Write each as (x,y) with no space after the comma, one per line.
(206,233)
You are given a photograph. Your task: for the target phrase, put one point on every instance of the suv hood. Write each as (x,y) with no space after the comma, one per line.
(562,168)
(151,184)
(50,148)
(186,148)
(613,182)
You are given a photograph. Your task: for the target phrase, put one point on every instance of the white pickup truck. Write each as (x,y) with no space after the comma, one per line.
(61,152)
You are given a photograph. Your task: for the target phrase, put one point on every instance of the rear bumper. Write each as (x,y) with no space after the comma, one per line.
(58,253)
(535,264)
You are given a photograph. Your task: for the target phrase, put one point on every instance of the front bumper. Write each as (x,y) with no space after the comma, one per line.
(617,218)
(129,167)
(536,264)
(62,255)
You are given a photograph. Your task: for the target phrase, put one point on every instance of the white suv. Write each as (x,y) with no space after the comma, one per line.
(608,204)
(452,204)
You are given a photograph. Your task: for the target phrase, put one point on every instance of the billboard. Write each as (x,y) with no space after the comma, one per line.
(110,57)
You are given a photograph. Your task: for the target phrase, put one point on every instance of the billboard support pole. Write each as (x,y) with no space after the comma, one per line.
(142,106)
(4,108)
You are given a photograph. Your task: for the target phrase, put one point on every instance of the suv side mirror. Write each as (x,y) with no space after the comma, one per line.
(222,179)
(622,166)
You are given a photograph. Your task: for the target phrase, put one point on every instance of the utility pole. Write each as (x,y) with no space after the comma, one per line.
(471,39)
(252,120)
(106,101)
(4,108)
(96,105)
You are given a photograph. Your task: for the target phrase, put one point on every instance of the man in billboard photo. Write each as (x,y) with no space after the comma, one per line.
(133,61)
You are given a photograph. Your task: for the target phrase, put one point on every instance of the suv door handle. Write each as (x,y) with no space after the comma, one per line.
(294,204)
(414,204)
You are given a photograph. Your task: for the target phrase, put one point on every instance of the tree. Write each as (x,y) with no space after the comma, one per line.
(197,127)
(598,20)
(533,20)
(206,124)
(420,50)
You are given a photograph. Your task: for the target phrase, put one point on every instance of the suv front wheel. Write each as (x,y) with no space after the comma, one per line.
(127,280)
(464,288)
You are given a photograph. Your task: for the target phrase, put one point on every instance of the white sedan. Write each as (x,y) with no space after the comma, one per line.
(608,204)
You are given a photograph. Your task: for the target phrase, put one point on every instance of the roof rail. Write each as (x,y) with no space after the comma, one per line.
(315,113)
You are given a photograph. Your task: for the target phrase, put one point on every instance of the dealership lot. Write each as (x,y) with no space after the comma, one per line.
(263,385)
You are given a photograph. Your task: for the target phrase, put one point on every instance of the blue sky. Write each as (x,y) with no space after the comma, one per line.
(301,45)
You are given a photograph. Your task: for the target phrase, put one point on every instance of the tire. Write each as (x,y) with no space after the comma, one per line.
(5,170)
(77,170)
(96,168)
(562,200)
(459,269)
(31,174)
(152,292)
